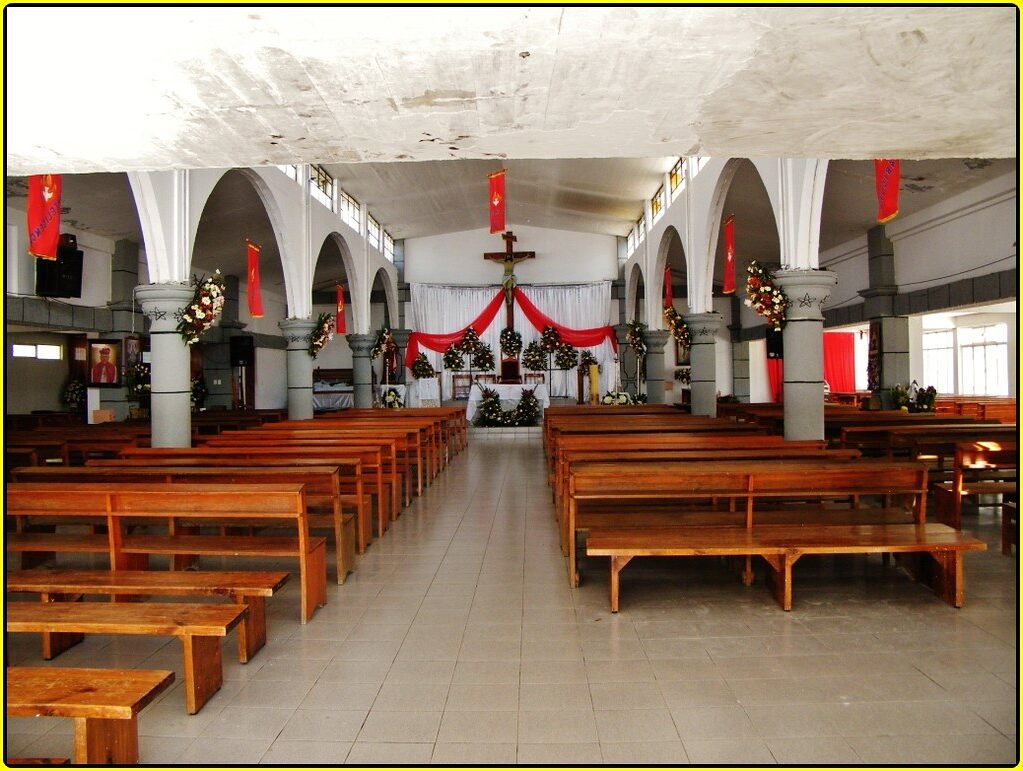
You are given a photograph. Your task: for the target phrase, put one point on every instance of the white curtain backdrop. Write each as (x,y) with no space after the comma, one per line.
(440,309)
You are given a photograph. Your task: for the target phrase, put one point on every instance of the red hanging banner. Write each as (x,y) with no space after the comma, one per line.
(43,215)
(728,284)
(668,299)
(497,201)
(252,285)
(339,323)
(886,182)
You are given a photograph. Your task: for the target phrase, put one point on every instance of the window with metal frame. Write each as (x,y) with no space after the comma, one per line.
(984,360)
(348,208)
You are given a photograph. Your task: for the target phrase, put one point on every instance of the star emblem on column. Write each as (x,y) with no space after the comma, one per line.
(806,301)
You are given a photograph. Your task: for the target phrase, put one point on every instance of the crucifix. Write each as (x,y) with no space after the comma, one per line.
(509,258)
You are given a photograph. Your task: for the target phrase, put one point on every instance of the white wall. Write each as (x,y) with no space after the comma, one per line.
(562,256)
(33,384)
(850,262)
(271,378)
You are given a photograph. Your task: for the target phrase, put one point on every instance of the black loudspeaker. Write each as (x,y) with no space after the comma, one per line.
(243,351)
(775,348)
(61,277)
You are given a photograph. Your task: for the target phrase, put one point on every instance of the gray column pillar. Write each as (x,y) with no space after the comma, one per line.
(297,332)
(740,371)
(171,391)
(879,306)
(655,341)
(400,337)
(802,336)
(703,328)
(362,379)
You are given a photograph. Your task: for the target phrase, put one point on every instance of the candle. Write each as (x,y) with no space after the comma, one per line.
(594,385)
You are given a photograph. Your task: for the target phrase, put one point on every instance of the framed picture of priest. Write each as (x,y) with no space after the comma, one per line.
(104,364)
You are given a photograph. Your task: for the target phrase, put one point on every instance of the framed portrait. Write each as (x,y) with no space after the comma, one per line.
(132,349)
(104,364)
(681,353)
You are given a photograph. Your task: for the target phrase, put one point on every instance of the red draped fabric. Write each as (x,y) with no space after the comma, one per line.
(580,338)
(441,342)
(774,379)
(840,361)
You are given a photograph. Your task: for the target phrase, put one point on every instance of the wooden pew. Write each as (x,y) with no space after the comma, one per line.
(370,457)
(103,703)
(199,627)
(879,438)
(644,492)
(121,503)
(454,426)
(322,491)
(242,588)
(979,468)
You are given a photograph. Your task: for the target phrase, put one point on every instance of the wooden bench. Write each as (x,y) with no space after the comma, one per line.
(979,468)
(103,703)
(782,545)
(199,627)
(242,588)
(642,493)
(121,502)
(322,491)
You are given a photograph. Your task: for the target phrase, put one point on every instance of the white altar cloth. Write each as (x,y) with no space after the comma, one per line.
(333,400)
(508,392)
(424,392)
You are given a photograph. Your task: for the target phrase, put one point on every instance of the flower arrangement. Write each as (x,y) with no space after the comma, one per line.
(526,412)
(550,340)
(199,390)
(322,334)
(74,393)
(482,357)
(586,358)
(382,344)
(634,337)
(470,341)
(566,357)
(914,398)
(533,358)
(763,296)
(683,375)
(453,358)
(511,342)
(616,398)
(139,381)
(204,310)
(392,399)
(677,327)
(421,367)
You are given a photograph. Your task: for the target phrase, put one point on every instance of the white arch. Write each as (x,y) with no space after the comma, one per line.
(390,294)
(632,279)
(669,235)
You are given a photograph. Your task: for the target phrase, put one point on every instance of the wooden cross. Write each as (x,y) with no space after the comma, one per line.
(509,258)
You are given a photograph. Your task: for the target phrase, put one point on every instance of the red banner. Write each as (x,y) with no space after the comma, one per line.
(43,215)
(497,202)
(440,342)
(580,338)
(339,323)
(668,299)
(886,182)
(252,285)
(728,284)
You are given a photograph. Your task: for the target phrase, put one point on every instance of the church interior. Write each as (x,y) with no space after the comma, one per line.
(544,235)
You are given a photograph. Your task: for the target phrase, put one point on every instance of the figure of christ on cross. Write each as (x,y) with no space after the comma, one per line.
(509,258)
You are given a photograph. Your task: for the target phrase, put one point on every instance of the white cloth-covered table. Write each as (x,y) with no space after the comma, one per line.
(424,392)
(333,400)
(508,392)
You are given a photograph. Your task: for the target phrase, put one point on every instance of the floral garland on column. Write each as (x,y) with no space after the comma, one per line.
(677,327)
(204,310)
(383,342)
(634,337)
(322,334)
(763,296)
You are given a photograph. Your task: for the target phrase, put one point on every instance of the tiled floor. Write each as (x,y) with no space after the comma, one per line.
(459,641)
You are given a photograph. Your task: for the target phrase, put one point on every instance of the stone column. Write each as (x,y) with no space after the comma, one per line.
(802,335)
(627,361)
(362,378)
(400,337)
(655,340)
(740,370)
(703,386)
(879,306)
(297,333)
(171,391)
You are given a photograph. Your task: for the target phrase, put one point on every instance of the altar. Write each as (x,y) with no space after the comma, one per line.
(510,393)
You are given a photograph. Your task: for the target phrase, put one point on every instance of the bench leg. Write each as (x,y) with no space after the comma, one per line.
(55,643)
(204,670)
(779,577)
(104,741)
(947,577)
(313,569)
(252,630)
(346,563)
(617,563)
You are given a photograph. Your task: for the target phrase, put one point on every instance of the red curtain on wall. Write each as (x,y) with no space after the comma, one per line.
(580,338)
(840,361)
(440,342)
(774,378)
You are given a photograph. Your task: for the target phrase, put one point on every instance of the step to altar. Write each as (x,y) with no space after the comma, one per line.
(506,433)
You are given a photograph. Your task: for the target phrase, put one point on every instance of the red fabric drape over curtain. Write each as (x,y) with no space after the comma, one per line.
(580,338)
(840,361)
(774,378)
(440,342)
